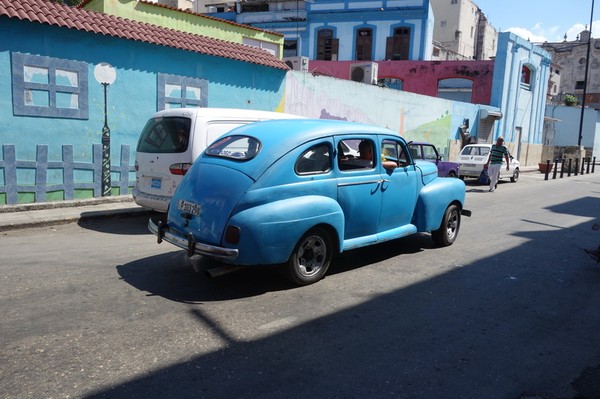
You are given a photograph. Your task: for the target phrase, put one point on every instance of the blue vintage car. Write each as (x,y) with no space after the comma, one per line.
(297,192)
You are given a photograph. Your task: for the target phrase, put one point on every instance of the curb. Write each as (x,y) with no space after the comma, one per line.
(15,217)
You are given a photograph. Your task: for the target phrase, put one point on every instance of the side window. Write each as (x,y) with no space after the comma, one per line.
(355,154)
(181,92)
(49,87)
(429,153)
(396,151)
(316,160)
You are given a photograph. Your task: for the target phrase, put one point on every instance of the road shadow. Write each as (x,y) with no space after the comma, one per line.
(176,277)
(120,223)
(522,323)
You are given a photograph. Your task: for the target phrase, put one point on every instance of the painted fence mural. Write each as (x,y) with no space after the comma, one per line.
(45,180)
(413,116)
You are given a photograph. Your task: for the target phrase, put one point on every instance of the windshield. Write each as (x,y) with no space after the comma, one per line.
(165,135)
(240,148)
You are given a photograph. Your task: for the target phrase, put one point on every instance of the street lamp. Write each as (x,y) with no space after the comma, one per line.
(105,74)
(585,78)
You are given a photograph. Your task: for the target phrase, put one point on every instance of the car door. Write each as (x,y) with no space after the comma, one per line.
(398,187)
(358,189)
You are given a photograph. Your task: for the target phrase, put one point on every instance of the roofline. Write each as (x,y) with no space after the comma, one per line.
(152,4)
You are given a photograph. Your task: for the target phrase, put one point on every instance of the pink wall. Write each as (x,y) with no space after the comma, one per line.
(421,77)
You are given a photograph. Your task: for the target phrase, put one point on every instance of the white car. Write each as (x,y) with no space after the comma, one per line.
(473,156)
(172,139)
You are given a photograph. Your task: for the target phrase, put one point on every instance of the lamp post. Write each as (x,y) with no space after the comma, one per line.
(585,78)
(105,74)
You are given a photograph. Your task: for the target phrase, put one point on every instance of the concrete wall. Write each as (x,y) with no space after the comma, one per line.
(413,116)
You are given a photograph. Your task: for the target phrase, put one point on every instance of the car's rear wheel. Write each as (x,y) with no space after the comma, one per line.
(448,230)
(515,176)
(311,257)
(452,174)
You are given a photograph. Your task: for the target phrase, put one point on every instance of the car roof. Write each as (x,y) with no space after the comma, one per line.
(278,137)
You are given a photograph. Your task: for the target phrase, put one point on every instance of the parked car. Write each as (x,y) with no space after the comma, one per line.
(173,138)
(473,157)
(428,152)
(257,196)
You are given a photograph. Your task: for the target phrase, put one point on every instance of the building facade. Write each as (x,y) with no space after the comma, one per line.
(343,30)
(571,59)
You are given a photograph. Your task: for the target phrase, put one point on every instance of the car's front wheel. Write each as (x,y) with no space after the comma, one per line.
(448,230)
(311,257)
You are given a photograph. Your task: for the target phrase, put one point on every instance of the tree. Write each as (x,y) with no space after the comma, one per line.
(570,100)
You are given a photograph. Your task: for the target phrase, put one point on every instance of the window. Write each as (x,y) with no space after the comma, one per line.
(457,89)
(395,151)
(355,154)
(453,1)
(391,83)
(239,148)
(316,160)
(290,48)
(181,92)
(165,135)
(49,87)
(327,45)
(397,46)
(443,24)
(525,75)
(579,85)
(364,44)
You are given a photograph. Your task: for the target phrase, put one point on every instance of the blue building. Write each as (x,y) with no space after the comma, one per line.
(345,30)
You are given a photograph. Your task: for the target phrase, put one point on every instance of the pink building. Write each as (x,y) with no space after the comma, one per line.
(424,77)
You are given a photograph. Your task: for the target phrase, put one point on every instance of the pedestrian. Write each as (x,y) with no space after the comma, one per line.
(494,162)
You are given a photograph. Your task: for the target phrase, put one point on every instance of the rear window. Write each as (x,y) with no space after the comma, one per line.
(240,148)
(165,135)
(475,151)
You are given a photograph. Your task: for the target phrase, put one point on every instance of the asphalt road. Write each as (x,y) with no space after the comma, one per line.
(511,310)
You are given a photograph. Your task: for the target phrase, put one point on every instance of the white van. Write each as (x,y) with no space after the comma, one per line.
(172,139)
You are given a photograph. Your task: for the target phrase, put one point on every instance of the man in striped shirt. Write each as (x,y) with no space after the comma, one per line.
(494,162)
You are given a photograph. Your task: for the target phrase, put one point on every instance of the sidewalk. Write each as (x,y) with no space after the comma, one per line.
(13,217)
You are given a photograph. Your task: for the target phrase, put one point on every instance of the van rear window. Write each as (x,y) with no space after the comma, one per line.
(240,148)
(165,135)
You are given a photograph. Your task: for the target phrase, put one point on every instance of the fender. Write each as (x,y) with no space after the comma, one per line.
(433,200)
(269,232)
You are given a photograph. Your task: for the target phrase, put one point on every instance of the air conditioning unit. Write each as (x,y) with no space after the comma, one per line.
(297,63)
(365,72)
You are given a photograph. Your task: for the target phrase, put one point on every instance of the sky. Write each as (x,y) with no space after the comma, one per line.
(542,20)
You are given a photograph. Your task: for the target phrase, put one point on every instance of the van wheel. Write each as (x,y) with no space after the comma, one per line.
(311,257)
(448,230)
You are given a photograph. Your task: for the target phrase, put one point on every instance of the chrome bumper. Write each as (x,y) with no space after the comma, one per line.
(162,232)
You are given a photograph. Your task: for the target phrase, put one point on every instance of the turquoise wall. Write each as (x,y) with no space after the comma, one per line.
(131,99)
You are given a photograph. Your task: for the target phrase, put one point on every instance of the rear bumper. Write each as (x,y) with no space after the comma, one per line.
(157,202)
(162,232)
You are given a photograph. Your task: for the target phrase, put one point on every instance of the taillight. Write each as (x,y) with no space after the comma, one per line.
(137,166)
(180,169)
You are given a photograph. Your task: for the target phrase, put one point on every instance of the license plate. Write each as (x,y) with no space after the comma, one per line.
(188,207)
(470,165)
(155,183)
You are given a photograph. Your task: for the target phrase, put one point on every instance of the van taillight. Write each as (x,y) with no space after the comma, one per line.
(137,166)
(180,168)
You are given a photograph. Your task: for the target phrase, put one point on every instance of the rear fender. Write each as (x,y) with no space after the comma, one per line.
(269,232)
(433,201)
